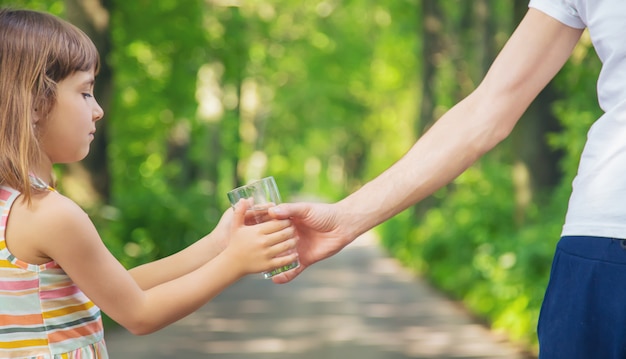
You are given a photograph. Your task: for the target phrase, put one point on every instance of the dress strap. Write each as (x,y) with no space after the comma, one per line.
(7,197)
(40,184)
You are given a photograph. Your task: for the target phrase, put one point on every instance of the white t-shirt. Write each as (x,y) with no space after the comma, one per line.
(597,206)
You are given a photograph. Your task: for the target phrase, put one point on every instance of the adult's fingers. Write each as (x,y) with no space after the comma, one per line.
(288,276)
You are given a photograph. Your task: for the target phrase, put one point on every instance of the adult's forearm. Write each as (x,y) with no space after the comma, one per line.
(533,55)
(452,145)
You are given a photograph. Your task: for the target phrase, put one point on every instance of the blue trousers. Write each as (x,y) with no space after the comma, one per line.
(583,315)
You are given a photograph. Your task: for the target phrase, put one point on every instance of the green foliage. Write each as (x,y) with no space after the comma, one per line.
(472,245)
(153,152)
(579,108)
(55,7)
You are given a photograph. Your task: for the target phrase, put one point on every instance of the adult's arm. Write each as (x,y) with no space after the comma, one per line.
(532,56)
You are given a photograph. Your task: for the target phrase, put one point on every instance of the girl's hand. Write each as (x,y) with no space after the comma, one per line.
(221,234)
(256,248)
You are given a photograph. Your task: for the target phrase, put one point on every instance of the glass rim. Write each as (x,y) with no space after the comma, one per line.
(254,182)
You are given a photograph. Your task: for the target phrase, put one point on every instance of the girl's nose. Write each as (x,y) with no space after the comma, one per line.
(98,112)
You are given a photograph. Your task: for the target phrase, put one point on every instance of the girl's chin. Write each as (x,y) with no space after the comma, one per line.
(73,159)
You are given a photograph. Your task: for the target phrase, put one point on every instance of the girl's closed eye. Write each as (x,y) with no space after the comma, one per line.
(87,95)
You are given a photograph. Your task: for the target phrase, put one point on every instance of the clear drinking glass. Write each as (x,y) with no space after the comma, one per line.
(261,194)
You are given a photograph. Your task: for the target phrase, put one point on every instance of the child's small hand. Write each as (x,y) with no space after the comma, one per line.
(256,248)
(221,234)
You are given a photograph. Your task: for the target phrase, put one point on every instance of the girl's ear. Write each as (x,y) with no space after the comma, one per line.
(37,114)
(36,117)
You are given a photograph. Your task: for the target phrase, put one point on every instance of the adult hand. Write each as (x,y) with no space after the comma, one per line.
(320,233)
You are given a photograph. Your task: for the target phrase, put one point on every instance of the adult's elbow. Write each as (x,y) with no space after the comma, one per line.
(496,116)
(500,133)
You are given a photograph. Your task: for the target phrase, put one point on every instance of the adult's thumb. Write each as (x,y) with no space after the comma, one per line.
(286,210)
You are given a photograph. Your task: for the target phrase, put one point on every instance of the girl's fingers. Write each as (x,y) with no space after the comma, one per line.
(280,236)
(240,213)
(285,247)
(284,260)
(273,226)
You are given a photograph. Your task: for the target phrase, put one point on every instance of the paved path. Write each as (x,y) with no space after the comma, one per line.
(358,304)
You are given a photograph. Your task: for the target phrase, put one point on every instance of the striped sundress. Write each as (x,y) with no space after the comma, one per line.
(43,315)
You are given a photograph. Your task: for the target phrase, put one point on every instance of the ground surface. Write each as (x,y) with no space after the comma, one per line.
(357,304)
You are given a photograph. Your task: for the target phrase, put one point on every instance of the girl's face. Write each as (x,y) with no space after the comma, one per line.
(67,131)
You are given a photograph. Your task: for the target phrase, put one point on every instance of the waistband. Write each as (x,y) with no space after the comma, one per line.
(604,249)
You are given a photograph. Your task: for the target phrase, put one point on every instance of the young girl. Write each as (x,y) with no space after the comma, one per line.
(55,272)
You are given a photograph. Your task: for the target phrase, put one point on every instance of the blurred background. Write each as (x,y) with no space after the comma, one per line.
(204,95)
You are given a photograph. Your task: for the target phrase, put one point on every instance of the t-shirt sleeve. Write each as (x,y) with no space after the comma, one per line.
(561,10)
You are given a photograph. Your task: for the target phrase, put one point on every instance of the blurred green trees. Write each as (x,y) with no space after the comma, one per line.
(204,95)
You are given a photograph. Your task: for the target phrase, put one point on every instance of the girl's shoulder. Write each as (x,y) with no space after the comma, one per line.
(49,219)
(48,208)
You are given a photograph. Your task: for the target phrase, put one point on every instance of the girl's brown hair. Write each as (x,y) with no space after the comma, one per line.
(37,50)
